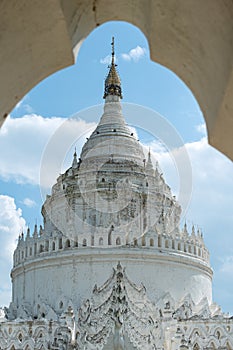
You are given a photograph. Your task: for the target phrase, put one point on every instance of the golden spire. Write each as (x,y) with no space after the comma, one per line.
(112,82)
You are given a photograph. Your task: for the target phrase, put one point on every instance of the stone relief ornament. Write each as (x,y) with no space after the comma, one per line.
(119,307)
(119,313)
(112,204)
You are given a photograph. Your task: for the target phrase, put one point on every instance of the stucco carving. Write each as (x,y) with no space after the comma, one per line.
(91,222)
(121,308)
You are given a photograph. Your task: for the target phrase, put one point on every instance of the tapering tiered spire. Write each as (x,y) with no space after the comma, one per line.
(112,82)
(75,163)
(149,164)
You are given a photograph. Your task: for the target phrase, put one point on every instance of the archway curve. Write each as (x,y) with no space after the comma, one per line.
(182,37)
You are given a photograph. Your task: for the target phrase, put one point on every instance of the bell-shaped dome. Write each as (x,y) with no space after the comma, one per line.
(112,137)
(112,205)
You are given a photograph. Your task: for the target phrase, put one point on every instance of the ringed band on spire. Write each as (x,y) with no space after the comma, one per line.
(112,82)
(113,50)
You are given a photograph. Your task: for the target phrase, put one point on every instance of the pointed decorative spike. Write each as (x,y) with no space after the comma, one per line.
(28,232)
(75,162)
(35,233)
(185,228)
(193,231)
(149,164)
(41,231)
(112,82)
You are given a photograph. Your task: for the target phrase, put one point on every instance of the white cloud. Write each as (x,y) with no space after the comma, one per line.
(106,60)
(19,104)
(201,128)
(134,54)
(23,106)
(11,225)
(223,290)
(29,202)
(23,143)
(227,266)
(158,148)
(28,108)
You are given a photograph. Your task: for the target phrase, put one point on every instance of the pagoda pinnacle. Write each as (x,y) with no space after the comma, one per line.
(149,164)
(75,163)
(112,82)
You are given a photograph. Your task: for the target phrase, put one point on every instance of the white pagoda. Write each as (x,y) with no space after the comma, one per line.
(111,268)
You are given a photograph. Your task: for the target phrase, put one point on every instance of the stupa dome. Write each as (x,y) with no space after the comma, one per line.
(111,268)
(111,205)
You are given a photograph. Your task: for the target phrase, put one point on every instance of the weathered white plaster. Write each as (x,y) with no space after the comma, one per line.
(111,268)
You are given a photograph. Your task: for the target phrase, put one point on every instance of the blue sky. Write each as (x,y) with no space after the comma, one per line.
(31,126)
